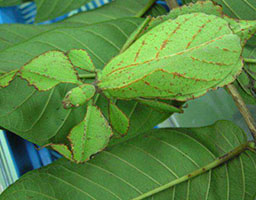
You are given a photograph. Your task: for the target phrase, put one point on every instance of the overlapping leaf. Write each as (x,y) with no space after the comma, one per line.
(178,59)
(150,161)
(50,9)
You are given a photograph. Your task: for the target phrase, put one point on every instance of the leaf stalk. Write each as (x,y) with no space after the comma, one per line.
(250,60)
(219,161)
(243,109)
(87,76)
(148,6)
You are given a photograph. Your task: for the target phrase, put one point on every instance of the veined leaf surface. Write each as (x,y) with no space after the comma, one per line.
(50,9)
(179,59)
(10,2)
(150,161)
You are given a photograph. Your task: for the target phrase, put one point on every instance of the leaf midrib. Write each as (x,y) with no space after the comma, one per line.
(243,147)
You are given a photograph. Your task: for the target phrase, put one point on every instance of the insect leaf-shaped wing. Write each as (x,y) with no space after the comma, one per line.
(90,136)
(179,59)
(48,70)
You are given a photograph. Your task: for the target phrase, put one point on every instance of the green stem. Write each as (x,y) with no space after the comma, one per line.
(250,60)
(96,98)
(146,7)
(87,76)
(243,109)
(197,172)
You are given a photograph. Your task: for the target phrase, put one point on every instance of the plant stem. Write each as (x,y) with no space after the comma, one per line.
(87,76)
(197,172)
(250,60)
(172,4)
(142,12)
(243,109)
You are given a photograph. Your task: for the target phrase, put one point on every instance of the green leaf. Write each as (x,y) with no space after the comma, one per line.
(79,96)
(10,2)
(114,10)
(39,116)
(179,59)
(225,169)
(81,59)
(50,9)
(118,120)
(90,136)
(43,72)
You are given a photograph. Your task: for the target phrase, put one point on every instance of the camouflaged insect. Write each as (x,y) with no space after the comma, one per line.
(176,57)
(179,59)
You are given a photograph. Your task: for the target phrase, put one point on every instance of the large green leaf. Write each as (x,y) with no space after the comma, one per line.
(179,59)
(50,9)
(10,2)
(149,163)
(39,116)
(17,33)
(116,9)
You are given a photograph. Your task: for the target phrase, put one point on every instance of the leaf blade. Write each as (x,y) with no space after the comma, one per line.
(140,165)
